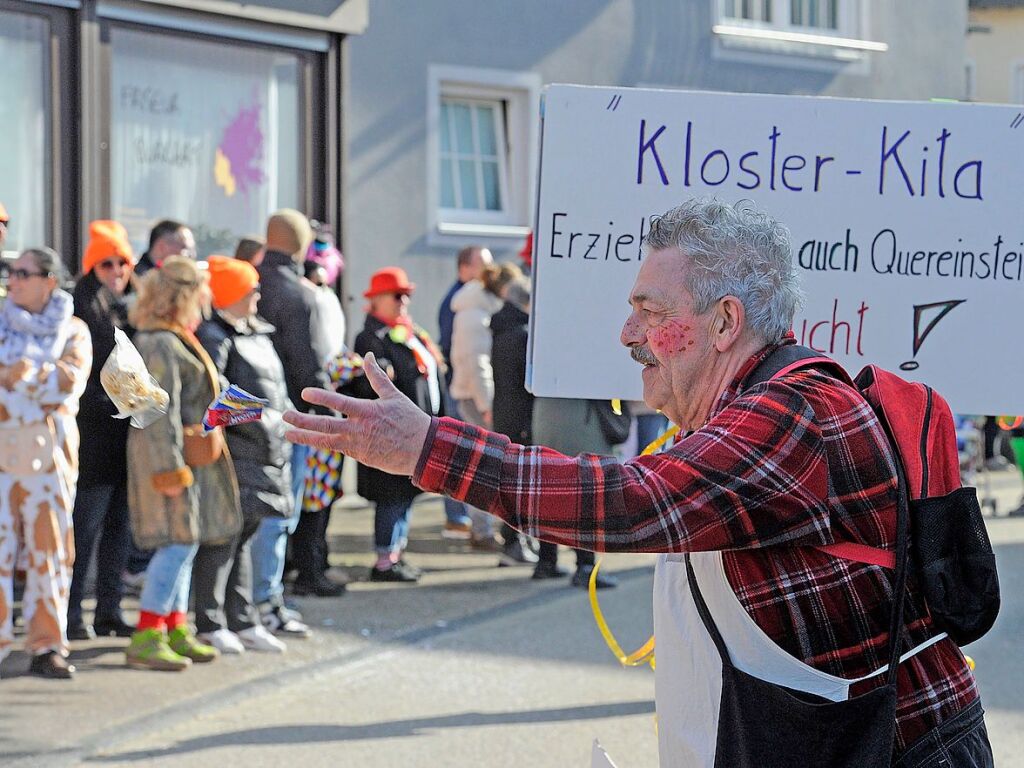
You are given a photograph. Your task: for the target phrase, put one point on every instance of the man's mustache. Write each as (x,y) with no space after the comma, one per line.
(643,355)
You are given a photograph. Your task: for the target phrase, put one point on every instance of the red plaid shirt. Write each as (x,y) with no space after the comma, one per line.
(794,462)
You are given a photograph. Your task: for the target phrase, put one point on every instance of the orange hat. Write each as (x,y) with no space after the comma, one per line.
(3,214)
(106,239)
(389,280)
(231,280)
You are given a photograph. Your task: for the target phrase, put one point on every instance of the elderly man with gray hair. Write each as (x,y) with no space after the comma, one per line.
(771,651)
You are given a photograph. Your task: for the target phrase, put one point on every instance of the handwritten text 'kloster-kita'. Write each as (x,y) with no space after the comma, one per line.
(907,164)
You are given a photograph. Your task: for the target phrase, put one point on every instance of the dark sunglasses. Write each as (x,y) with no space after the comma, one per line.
(111,263)
(24,274)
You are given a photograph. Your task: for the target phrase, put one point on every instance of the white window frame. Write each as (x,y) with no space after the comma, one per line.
(1017,81)
(479,215)
(520,93)
(782,42)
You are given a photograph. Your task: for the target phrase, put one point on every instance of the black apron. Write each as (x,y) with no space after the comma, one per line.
(765,725)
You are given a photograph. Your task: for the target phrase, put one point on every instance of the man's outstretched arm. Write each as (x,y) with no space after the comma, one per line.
(740,482)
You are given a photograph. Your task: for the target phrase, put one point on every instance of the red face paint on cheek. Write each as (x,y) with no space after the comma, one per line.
(670,338)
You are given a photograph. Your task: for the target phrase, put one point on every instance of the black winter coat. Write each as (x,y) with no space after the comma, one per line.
(144,264)
(290,307)
(372,483)
(245,356)
(104,439)
(513,405)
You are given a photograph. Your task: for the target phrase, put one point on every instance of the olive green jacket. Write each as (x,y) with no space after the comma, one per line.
(207,511)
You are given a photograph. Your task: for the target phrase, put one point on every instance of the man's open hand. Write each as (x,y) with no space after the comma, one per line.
(387,433)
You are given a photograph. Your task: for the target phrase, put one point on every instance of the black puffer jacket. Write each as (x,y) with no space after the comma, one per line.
(372,483)
(245,356)
(513,405)
(102,455)
(290,306)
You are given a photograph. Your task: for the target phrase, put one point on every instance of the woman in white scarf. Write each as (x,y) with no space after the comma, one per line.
(45,357)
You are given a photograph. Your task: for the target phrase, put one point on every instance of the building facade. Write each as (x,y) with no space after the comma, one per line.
(209,111)
(413,135)
(995,59)
(443,104)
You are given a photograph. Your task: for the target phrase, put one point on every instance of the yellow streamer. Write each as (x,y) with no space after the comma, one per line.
(617,406)
(645,653)
(672,432)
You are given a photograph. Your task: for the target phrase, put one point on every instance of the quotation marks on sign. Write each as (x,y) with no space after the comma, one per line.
(926,317)
(614,103)
(1018,120)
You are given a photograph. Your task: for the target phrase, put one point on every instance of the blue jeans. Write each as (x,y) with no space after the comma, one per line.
(960,742)
(269,549)
(455,511)
(391,526)
(168,578)
(270,544)
(299,454)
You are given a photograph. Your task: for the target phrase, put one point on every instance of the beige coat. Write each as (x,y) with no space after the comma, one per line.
(472,375)
(208,510)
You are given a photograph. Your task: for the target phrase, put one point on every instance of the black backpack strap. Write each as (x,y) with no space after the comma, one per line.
(791,357)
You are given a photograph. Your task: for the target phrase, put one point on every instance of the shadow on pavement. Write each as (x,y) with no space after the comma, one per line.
(470,602)
(327,733)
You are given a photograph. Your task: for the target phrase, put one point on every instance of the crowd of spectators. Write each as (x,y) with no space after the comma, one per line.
(208,523)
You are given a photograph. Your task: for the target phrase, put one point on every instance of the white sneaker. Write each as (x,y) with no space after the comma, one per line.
(258,639)
(224,640)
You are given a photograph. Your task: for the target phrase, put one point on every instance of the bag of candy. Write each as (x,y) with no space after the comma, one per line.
(130,385)
(233,406)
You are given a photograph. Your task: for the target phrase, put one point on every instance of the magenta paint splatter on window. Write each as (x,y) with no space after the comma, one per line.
(238,157)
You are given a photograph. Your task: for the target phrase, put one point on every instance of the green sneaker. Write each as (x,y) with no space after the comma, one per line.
(184,643)
(149,650)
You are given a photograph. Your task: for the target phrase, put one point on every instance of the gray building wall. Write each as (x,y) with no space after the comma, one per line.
(662,43)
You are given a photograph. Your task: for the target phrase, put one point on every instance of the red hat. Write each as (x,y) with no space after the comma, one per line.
(231,280)
(106,238)
(3,214)
(389,280)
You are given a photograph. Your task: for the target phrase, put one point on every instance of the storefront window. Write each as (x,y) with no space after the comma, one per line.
(24,128)
(204,132)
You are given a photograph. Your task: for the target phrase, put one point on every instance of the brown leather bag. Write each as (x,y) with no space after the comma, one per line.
(202,448)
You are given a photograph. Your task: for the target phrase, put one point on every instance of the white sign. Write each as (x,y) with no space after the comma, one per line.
(907,223)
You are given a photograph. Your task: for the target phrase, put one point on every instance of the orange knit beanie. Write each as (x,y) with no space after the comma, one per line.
(230,279)
(106,239)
